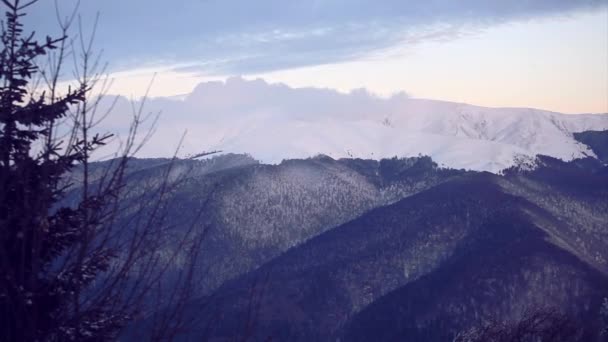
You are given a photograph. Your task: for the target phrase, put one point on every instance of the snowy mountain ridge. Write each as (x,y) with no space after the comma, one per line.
(274,122)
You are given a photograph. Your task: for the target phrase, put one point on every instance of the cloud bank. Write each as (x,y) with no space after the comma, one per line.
(238,37)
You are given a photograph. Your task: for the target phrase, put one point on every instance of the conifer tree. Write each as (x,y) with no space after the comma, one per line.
(67,273)
(36,302)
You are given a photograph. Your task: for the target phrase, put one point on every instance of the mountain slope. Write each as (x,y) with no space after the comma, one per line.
(484,251)
(253,213)
(597,141)
(506,271)
(576,194)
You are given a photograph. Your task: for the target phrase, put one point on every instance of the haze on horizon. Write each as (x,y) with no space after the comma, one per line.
(546,54)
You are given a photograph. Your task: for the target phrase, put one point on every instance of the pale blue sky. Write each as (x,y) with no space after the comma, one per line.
(549,54)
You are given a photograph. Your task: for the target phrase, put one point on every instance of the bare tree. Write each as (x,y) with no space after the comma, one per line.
(83,252)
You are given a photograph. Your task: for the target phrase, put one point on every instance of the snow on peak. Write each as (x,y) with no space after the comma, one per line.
(273,122)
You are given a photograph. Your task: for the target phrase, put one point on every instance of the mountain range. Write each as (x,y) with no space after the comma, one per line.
(353,249)
(351,217)
(274,122)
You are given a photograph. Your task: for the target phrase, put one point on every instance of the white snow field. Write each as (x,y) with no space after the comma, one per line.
(273,122)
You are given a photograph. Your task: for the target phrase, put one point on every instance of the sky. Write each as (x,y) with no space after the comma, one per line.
(547,54)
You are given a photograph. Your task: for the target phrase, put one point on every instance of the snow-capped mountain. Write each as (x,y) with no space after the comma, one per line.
(273,122)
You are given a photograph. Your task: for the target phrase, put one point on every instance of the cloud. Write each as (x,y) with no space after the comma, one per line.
(240,37)
(216,112)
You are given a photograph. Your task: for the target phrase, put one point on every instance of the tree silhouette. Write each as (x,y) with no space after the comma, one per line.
(76,272)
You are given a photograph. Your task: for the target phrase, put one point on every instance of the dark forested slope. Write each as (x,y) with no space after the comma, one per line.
(473,248)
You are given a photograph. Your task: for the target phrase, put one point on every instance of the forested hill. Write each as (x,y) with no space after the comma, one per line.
(349,248)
